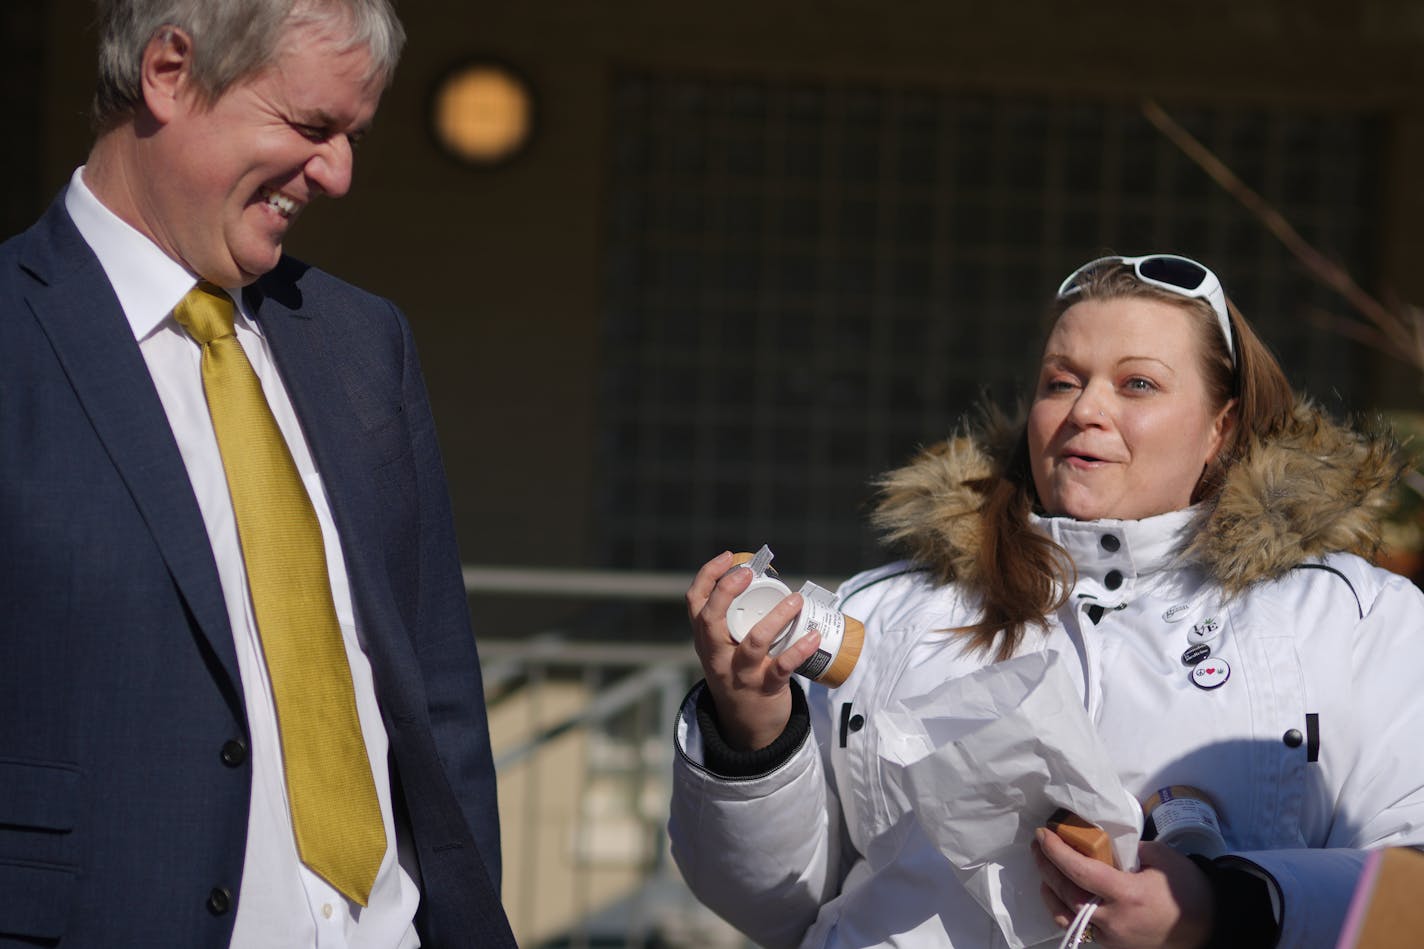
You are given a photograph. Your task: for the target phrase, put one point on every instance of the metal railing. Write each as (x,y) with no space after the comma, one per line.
(582,734)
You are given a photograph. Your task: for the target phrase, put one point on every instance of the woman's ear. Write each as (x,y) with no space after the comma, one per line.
(1213,473)
(1222,430)
(165,72)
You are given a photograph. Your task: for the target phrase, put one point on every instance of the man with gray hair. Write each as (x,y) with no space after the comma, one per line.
(240,701)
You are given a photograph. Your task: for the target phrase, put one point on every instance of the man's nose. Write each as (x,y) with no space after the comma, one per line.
(331,168)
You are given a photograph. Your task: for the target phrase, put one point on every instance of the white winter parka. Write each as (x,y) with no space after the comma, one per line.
(1309,744)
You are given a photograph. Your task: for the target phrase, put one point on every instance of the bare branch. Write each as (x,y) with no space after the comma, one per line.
(1404,334)
(1357,330)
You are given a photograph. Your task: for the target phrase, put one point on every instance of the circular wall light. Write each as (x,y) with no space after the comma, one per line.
(482,113)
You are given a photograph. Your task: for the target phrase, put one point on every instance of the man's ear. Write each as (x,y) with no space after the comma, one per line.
(166,72)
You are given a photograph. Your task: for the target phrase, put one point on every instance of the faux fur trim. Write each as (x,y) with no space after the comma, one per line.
(1316,488)
(931,507)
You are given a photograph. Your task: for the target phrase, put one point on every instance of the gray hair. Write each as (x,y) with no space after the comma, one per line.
(232,39)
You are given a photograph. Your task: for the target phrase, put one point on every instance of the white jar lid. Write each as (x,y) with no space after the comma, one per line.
(753,603)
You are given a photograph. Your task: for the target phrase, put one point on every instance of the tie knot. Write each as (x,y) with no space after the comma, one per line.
(205,312)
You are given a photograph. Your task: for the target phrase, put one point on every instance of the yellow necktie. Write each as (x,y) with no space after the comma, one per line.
(332,795)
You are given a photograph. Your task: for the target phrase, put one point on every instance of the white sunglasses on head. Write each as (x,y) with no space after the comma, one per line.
(1180,275)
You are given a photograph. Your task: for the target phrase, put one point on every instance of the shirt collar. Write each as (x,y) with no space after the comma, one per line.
(147,281)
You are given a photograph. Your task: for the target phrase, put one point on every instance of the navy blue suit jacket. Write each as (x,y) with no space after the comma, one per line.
(124,778)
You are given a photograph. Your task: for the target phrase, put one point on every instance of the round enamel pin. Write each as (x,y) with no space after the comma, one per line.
(1210,673)
(1206,629)
(1195,654)
(1175,614)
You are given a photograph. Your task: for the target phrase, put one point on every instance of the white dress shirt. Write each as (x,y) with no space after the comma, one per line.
(281,903)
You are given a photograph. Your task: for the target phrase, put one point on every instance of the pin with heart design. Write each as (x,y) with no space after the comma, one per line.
(1210,673)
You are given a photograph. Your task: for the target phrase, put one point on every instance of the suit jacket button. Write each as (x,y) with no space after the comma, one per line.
(219,900)
(234,752)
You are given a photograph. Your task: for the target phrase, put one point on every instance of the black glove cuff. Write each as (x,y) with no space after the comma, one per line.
(1242,917)
(724,760)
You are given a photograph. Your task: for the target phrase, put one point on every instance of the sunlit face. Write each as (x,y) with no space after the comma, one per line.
(1120,425)
(229,177)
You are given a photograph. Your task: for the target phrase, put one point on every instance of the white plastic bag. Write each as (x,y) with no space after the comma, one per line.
(985,759)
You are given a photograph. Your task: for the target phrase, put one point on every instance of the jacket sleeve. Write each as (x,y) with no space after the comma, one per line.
(1381,800)
(445,644)
(763,851)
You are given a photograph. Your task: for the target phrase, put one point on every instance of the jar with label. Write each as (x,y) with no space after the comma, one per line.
(841,635)
(1183,818)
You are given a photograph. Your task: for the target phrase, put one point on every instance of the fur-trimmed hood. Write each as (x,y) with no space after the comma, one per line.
(1318,487)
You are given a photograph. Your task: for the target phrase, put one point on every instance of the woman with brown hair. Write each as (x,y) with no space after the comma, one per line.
(1191,540)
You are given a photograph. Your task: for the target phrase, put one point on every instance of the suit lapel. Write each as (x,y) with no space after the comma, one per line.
(295,327)
(76,307)
(296,324)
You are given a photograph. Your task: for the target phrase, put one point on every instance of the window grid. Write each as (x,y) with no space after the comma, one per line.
(807,281)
